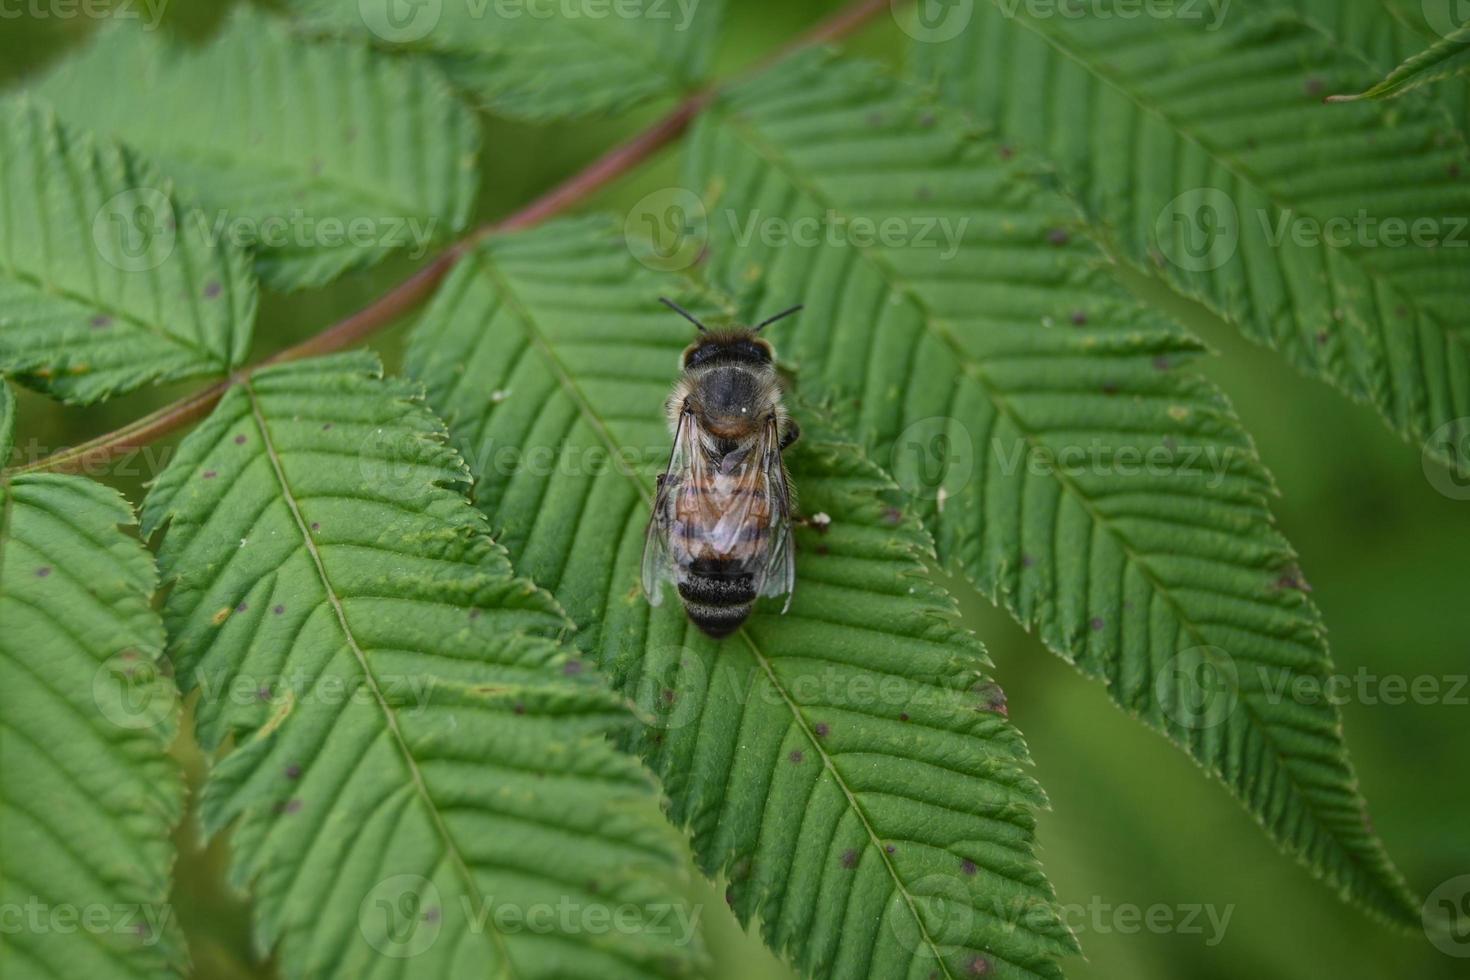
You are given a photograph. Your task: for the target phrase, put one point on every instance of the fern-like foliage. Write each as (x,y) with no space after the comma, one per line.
(1336,235)
(87,792)
(106,283)
(324,157)
(1446,58)
(419,766)
(1387,33)
(1020,385)
(847,764)
(543,59)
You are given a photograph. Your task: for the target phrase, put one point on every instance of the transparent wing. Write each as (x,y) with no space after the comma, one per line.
(778,571)
(658,565)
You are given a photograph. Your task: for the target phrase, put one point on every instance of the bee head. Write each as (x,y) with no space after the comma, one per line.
(740,345)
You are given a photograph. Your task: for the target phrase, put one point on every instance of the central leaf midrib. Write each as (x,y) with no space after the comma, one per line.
(932,323)
(389,717)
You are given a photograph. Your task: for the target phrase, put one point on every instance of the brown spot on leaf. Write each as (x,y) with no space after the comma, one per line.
(850,858)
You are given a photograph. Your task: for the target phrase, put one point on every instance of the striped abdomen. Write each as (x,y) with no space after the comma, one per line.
(718,542)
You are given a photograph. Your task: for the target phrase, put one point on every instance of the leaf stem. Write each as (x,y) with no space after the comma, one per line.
(96,454)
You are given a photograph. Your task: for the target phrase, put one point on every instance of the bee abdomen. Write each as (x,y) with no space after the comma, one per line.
(717,603)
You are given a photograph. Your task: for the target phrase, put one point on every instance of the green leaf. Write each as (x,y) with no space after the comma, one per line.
(1386,33)
(1040,419)
(1447,57)
(106,284)
(323,157)
(7,423)
(847,765)
(1339,236)
(419,770)
(544,59)
(88,793)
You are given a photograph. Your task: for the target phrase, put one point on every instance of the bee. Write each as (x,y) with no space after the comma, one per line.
(721,524)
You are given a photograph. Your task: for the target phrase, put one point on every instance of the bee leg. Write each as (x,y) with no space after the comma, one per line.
(793,433)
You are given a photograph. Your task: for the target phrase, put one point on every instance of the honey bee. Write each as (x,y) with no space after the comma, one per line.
(721,524)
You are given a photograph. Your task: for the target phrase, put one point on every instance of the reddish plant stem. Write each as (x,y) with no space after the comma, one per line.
(94,455)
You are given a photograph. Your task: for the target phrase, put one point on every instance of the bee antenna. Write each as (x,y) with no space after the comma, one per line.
(683,312)
(772,319)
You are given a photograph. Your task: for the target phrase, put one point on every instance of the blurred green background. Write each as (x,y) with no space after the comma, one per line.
(1134,823)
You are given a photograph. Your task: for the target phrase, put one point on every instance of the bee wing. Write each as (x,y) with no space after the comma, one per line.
(658,566)
(777,575)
